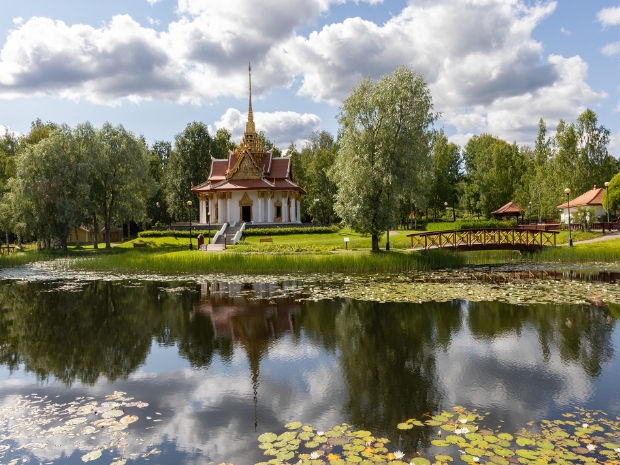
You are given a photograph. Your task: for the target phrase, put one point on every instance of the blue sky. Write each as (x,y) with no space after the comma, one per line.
(493,66)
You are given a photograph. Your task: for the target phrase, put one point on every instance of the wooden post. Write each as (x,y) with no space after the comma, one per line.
(425,244)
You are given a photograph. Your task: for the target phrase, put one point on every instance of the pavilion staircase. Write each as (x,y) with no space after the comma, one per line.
(230,233)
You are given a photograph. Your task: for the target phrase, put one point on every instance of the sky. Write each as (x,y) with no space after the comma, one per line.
(154,66)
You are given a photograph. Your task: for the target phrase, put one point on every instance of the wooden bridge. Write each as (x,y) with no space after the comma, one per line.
(484,239)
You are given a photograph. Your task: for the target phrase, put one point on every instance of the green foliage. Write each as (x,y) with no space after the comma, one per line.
(494,171)
(310,171)
(446,173)
(459,224)
(614,194)
(247,232)
(187,165)
(385,149)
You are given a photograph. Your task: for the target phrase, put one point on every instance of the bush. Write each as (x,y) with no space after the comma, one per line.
(175,234)
(287,231)
(461,224)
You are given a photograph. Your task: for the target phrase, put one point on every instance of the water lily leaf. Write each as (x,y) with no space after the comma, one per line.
(119,462)
(610,445)
(527,454)
(311,444)
(504,452)
(265,445)
(362,434)
(447,427)
(472,436)
(455,439)
(271,452)
(117,427)
(505,436)
(499,460)
(474,451)
(128,419)
(287,436)
(525,441)
(76,421)
(93,455)
(353,459)
(571,443)
(293,425)
(433,423)
(420,461)
(286,455)
(491,439)
(417,423)
(267,437)
(545,445)
(88,430)
(440,443)
(443,458)
(112,413)
(404,426)
(306,436)
(467,458)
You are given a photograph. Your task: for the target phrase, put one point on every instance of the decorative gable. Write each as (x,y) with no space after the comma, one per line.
(245,168)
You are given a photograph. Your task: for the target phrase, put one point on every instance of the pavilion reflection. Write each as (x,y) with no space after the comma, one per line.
(253,316)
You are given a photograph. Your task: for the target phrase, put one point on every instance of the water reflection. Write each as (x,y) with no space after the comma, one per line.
(235,360)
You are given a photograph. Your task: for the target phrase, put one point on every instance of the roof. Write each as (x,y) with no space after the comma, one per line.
(509,208)
(592,198)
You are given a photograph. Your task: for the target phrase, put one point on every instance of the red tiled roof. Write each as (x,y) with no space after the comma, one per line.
(218,170)
(591,198)
(508,209)
(279,168)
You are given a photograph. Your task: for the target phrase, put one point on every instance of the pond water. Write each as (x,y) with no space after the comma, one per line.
(219,364)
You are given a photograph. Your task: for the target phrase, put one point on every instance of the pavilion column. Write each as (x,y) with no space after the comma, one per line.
(284,207)
(202,210)
(221,205)
(211,207)
(293,210)
(298,201)
(261,196)
(270,206)
(228,196)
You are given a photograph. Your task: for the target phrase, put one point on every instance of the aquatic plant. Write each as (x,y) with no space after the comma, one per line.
(582,436)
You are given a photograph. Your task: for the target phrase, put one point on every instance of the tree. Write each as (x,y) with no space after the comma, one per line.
(495,169)
(121,184)
(268,145)
(188,165)
(53,185)
(310,171)
(385,145)
(446,172)
(156,207)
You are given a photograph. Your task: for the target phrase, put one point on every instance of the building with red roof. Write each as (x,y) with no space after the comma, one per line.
(593,199)
(511,209)
(251,185)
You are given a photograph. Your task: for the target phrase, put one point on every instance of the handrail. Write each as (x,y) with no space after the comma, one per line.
(219,233)
(484,239)
(239,234)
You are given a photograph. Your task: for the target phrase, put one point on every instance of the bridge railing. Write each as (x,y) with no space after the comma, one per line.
(468,239)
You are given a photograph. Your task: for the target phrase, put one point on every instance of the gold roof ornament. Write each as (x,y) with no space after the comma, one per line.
(250,145)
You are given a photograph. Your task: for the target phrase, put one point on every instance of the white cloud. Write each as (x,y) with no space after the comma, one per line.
(281,127)
(6,130)
(611,49)
(152,22)
(17,21)
(565,31)
(609,16)
(484,68)
(153,2)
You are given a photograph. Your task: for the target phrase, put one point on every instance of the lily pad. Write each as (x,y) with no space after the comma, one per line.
(420,461)
(93,455)
(267,437)
(293,425)
(404,426)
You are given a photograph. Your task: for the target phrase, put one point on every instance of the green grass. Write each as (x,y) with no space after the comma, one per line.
(562,237)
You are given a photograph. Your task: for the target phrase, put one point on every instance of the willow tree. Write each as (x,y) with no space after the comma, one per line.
(385,149)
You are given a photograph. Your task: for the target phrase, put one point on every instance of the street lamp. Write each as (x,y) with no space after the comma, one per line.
(570,236)
(387,242)
(189,208)
(315,202)
(209,220)
(529,219)
(607,196)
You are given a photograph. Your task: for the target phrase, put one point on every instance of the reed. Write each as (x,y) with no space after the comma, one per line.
(187,262)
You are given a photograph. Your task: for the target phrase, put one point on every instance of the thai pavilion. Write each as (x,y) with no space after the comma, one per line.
(251,185)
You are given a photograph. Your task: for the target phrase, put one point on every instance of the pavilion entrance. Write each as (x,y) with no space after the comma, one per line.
(246,213)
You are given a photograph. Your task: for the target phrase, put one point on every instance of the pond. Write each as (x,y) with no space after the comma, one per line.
(193,372)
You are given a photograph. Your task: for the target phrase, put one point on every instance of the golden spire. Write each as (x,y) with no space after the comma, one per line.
(249,127)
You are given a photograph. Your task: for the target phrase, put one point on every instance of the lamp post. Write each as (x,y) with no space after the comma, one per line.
(209,221)
(189,208)
(607,197)
(445,205)
(315,202)
(387,242)
(529,218)
(570,236)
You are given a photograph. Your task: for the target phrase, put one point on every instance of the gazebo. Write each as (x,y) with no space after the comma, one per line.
(510,210)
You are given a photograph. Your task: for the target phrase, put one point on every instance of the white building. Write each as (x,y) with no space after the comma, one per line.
(251,185)
(593,199)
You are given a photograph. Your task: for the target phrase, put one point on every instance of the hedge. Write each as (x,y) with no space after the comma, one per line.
(248,232)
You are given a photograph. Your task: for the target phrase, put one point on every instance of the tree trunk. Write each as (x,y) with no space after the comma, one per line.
(95,232)
(375,243)
(38,244)
(7,238)
(63,244)
(19,242)
(107,234)
(77,238)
